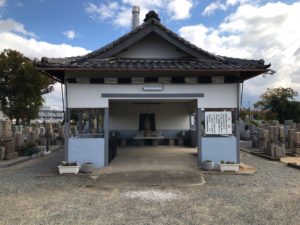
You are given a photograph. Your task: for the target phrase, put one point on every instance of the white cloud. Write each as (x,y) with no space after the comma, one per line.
(103,11)
(71,34)
(14,36)
(119,14)
(37,49)
(267,31)
(10,25)
(180,9)
(212,7)
(2,3)
(218,5)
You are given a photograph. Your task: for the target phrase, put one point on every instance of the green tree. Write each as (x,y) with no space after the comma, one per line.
(280,102)
(21,86)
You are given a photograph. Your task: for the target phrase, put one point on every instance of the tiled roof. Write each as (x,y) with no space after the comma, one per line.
(160,64)
(104,58)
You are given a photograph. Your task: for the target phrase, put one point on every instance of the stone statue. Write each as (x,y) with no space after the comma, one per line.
(147,128)
(147,123)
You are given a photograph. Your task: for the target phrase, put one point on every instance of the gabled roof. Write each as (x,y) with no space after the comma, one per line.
(104,58)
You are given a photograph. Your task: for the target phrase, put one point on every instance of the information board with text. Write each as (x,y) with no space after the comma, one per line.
(218,123)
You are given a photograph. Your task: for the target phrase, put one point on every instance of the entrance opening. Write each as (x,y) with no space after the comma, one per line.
(153,131)
(147,121)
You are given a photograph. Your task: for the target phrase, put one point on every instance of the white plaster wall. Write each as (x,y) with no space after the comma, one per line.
(89,95)
(125,115)
(152,46)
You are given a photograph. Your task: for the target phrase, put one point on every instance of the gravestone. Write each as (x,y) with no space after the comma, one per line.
(27,130)
(291,139)
(293,125)
(19,139)
(5,129)
(242,130)
(288,122)
(2,152)
(280,150)
(20,128)
(277,150)
(297,144)
(265,145)
(252,128)
(281,134)
(50,127)
(286,134)
(10,152)
(254,139)
(33,136)
(261,139)
(37,130)
(43,131)
(61,132)
(274,134)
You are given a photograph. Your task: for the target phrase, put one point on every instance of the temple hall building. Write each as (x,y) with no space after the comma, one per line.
(151,87)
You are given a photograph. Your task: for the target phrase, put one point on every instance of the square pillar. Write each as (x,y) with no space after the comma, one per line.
(199,134)
(106,136)
(67,123)
(237,134)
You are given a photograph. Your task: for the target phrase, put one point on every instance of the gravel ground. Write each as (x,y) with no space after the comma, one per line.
(31,193)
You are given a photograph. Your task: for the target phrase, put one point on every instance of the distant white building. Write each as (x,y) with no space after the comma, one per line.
(48,114)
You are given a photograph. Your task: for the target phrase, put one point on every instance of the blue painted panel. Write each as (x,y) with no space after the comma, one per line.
(219,148)
(87,150)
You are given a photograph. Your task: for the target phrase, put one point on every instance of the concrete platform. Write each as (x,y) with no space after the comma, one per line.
(151,166)
(287,160)
(152,159)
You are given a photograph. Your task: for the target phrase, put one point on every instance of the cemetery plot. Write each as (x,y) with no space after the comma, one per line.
(272,141)
(18,140)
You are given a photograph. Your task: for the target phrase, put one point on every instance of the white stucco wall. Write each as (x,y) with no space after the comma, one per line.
(125,115)
(89,95)
(152,46)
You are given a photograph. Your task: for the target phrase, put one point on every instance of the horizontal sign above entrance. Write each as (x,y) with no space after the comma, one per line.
(185,95)
(218,123)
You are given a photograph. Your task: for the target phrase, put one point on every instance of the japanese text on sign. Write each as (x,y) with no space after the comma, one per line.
(218,123)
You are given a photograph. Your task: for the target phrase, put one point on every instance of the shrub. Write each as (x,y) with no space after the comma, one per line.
(28,149)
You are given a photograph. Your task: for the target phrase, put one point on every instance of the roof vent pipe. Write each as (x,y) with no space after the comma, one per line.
(135,17)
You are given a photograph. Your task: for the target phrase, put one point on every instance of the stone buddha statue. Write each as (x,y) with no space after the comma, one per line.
(147,126)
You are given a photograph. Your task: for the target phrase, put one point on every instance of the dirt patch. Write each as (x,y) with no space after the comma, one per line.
(153,195)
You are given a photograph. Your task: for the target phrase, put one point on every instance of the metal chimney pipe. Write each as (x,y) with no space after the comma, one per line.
(135,17)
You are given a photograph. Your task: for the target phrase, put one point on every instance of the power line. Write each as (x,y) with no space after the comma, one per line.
(284,64)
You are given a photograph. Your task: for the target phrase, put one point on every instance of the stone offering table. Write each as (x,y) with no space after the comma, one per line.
(154,139)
